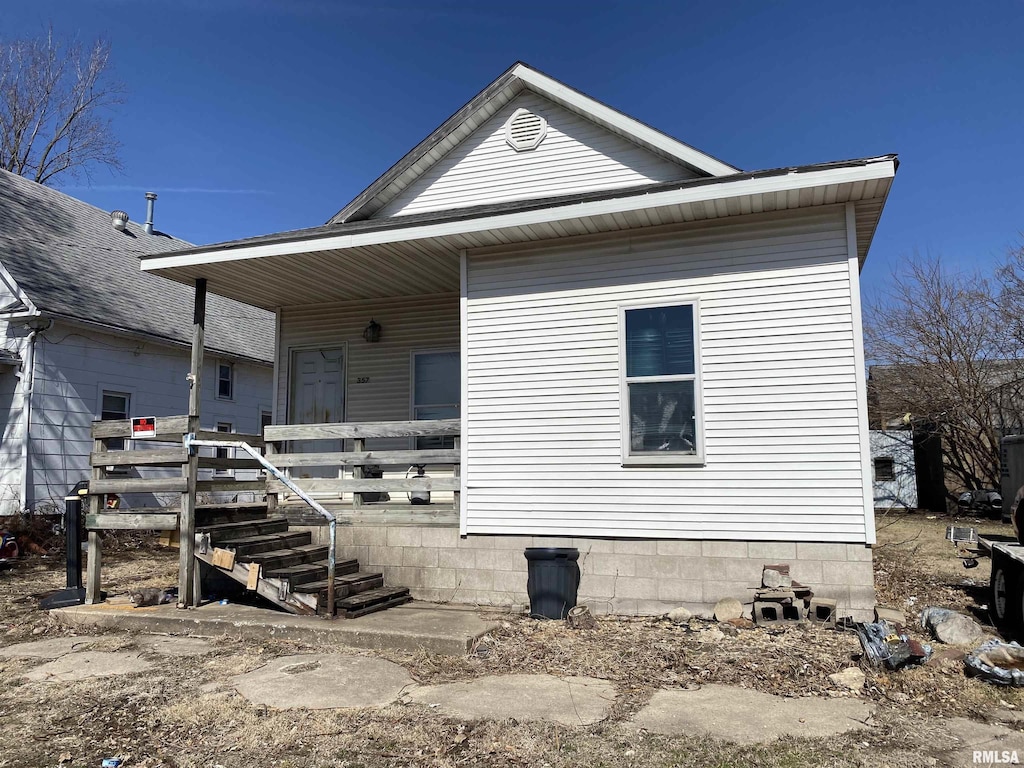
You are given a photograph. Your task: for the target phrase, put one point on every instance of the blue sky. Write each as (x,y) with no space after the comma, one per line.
(256,116)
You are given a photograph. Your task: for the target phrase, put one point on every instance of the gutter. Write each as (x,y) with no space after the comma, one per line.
(35,324)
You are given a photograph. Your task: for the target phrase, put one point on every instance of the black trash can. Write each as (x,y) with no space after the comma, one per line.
(553,578)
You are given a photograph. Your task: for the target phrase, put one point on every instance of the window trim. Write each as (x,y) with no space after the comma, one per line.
(231,380)
(653,458)
(126,443)
(229,453)
(888,477)
(413,353)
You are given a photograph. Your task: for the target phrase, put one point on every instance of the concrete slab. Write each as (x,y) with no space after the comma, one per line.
(324,681)
(996,743)
(51,648)
(748,717)
(564,700)
(175,646)
(87,664)
(412,627)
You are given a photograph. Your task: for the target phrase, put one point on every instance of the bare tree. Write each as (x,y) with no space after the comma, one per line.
(54,98)
(945,360)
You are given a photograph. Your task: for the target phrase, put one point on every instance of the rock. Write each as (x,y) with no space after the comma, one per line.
(728,608)
(741,623)
(951,627)
(892,615)
(771,578)
(38,630)
(712,635)
(851,677)
(728,629)
(679,615)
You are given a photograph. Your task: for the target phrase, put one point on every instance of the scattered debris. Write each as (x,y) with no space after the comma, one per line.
(679,615)
(580,617)
(851,677)
(728,608)
(997,662)
(890,645)
(951,627)
(822,610)
(892,615)
(780,600)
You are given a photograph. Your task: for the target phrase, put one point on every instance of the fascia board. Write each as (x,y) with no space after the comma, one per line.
(704,193)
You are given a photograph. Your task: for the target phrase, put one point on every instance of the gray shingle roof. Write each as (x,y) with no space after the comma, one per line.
(70,261)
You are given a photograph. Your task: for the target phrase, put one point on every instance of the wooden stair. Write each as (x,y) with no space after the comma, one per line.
(293,570)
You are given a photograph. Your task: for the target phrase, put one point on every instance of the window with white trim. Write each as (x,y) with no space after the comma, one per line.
(225,381)
(661,384)
(436,392)
(224,453)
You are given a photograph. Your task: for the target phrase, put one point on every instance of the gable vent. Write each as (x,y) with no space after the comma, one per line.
(525,130)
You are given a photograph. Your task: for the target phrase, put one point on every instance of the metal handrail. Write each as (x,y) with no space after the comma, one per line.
(192,442)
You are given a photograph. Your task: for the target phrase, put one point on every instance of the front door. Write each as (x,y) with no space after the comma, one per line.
(317,396)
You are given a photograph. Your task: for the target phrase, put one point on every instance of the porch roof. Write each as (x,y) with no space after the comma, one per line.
(418,254)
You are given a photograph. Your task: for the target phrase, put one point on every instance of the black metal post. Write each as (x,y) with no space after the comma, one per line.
(74,594)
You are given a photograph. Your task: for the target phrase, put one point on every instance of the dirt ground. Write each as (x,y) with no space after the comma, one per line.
(182,713)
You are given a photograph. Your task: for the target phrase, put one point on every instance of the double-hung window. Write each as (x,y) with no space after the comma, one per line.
(225,381)
(660,383)
(115,406)
(435,392)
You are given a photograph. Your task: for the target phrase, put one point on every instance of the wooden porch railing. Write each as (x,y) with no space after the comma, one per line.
(159,466)
(350,466)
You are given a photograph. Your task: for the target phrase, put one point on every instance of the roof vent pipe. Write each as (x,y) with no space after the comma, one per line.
(119,219)
(150,200)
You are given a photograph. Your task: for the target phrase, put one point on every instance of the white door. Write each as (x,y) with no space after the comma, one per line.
(317,396)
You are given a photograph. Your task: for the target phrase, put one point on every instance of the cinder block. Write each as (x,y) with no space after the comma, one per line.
(475,541)
(637,587)
(713,591)
(595,586)
(419,557)
(476,580)
(593,545)
(404,536)
(614,565)
(859,552)
(440,578)
(510,582)
(518,543)
(724,549)
(440,537)
(809,550)
(848,574)
(772,551)
(384,556)
(373,536)
(678,591)
(679,548)
(635,547)
(807,572)
(768,614)
(456,558)
(662,566)
(822,610)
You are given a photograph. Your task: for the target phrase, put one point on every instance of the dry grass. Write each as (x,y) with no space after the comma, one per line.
(184,713)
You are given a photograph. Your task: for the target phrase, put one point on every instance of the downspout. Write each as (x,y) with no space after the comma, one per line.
(28,374)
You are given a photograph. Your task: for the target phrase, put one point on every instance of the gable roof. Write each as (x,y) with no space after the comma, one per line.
(515,80)
(68,261)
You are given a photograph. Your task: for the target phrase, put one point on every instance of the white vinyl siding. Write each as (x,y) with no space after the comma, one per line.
(779,379)
(575,156)
(378,376)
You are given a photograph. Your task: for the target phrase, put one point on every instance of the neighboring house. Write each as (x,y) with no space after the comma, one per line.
(895,475)
(656,357)
(86,335)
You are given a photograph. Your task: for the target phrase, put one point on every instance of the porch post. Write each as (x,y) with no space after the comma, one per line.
(188,588)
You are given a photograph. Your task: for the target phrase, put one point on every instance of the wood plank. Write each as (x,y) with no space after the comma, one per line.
(423,428)
(117,521)
(256,441)
(227,485)
(298,603)
(378,485)
(189,576)
(138,485)
(363,458)
(168,429)
(212,462)
(159,457)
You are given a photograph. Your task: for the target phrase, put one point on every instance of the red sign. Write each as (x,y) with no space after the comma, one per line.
(144,426)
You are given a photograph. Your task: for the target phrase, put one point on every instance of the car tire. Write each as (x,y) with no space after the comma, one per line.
(1005,594)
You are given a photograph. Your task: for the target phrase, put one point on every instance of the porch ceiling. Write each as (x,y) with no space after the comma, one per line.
(419,254)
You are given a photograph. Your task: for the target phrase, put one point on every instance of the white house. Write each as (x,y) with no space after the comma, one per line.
(656,357)
(86,335)
(895,474)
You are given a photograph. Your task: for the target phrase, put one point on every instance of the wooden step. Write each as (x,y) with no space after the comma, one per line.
(222,532)
(372,600)
(282,558)
(212,514)
(303,574)
(348,584)
(268,542)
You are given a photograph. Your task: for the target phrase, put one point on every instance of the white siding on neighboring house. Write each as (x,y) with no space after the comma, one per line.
(895,476)
(575,156)
(377,375)
(12,338)
(780,385)
(75,365)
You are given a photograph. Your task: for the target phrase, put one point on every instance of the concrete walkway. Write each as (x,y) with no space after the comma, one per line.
(412,627)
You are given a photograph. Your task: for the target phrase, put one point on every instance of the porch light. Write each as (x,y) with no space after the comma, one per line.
(372,332)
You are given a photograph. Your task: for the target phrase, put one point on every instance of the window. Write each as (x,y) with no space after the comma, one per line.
(661,385)
(266,418)
(223,453)
(115,406)
(436,392)
(885,468)
(225,381)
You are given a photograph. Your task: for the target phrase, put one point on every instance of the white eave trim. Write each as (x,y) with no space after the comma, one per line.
(795,181)
(627,125)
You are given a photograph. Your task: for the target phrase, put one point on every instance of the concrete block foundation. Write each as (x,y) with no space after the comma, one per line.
(618,576)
